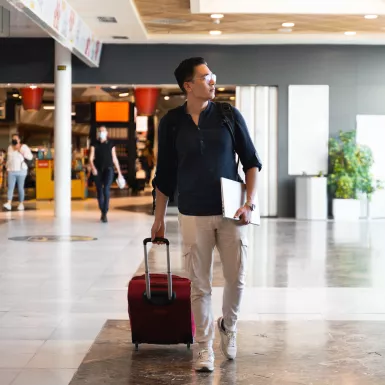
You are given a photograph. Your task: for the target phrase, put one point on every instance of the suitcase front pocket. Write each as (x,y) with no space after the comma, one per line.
(159,297)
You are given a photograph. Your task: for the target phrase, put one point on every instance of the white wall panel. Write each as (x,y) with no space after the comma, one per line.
(308,129)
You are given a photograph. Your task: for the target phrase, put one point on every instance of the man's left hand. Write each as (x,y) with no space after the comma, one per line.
(244,215)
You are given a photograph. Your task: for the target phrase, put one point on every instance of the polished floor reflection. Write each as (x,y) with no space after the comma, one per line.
(316,289)
(284,253)
(270,353)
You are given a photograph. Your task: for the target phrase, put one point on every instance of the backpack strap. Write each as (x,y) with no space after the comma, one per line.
(173,117)
(227,113)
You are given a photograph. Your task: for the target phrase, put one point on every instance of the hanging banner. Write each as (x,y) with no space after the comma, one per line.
(62,22)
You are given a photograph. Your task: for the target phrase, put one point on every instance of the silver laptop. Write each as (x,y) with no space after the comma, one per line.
(234,197)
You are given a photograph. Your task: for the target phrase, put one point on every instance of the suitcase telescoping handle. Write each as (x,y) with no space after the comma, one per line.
(147,274)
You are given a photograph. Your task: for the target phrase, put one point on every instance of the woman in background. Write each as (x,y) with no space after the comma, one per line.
(17,169)
(102,159)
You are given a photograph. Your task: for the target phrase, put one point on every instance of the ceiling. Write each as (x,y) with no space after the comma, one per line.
(244,22)
(21,25)
(175,18)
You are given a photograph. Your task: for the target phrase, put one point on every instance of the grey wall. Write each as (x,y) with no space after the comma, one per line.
(26,60)
(355,74)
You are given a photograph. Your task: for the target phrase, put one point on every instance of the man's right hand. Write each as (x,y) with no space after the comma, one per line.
(94,171)
(158,229)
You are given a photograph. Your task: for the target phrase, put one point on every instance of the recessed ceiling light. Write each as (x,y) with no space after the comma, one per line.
(350,33)
(285,30)
(166,98)
(215,33)
(123,94)
(221,89)
(288,25)
(232,97)
(217,16)
(73,113)
(114,87)
(370,17)
(49,107)
(33,87)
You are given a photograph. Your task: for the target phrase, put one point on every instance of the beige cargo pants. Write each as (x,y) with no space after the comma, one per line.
(200,235)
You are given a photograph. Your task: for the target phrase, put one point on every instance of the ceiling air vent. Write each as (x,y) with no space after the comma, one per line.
(120,37)
(168,21)
(107,19)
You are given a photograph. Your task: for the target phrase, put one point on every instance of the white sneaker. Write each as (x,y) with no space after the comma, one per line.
(20,207)
(205,361)
(228,341)
(7,206)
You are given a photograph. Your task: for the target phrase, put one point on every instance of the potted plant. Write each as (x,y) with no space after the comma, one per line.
(350,175)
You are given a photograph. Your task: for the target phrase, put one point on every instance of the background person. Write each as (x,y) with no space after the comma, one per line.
(102,159)
(17,168)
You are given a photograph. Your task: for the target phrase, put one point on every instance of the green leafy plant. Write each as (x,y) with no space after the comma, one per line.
(350,167)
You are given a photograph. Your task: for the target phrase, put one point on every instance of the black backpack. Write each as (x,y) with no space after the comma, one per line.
(29,163)
(227,114)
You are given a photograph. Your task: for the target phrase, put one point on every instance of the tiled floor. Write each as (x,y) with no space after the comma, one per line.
(56,297)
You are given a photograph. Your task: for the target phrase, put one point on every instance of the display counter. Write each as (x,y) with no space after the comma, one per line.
(45,184)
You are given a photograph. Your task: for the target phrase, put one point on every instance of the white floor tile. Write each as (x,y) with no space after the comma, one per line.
(8,375)
(25,333)
(66,347)
(44,377)
(20,346)
(27,320)
(70,333)
(15,360)
(56,361)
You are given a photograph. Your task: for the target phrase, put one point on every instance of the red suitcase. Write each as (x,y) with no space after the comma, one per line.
(159,306)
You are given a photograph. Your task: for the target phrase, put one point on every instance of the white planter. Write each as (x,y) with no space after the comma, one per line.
(346,209)
(311,198)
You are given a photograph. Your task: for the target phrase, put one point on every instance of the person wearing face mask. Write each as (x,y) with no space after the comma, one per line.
(102,159)
(17,170)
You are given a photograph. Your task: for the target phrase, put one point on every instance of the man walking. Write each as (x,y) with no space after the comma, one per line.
(196,149)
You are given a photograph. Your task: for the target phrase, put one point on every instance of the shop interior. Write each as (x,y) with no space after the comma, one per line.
(130,113)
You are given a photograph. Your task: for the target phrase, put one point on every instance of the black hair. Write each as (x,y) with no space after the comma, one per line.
(185,70)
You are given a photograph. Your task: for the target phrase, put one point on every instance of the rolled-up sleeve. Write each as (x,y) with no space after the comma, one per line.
(245,147)
(166,166)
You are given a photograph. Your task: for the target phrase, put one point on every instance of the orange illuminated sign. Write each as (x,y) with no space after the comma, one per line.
(112,111)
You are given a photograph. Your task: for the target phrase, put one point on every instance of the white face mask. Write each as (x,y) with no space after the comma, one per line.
(103,135)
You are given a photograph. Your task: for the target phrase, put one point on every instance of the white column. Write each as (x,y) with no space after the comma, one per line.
(63,131)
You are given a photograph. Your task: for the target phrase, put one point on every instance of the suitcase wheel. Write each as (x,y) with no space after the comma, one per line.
(136,347)
(188,346)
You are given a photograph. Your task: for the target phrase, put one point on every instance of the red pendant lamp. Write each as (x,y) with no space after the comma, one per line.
(32,98)
(146,100)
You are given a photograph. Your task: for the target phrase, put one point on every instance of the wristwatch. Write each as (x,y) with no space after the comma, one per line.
(250,205)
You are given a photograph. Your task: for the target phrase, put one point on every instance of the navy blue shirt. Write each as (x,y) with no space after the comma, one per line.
(193,158)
